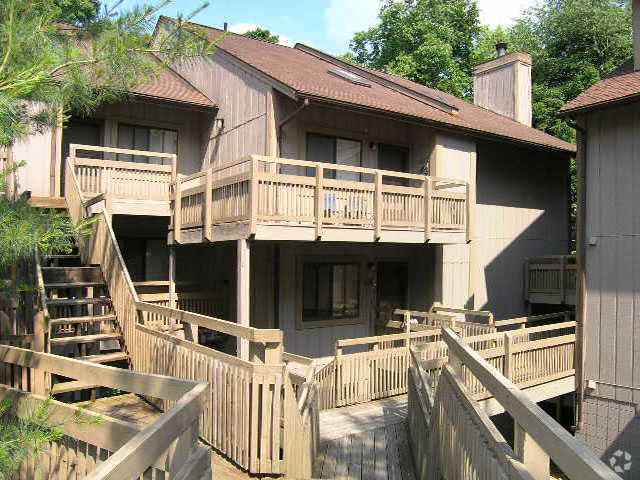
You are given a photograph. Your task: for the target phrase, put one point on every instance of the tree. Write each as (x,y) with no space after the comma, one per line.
(74,11)
(28,437)
(574,43)
(47,67)
(263,34)
(428,41)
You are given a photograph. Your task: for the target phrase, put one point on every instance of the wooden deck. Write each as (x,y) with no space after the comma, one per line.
(366,441)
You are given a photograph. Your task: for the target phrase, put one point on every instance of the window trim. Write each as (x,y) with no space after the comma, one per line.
(299,291)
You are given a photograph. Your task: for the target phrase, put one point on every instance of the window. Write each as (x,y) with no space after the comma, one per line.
(135,137)
(350,77)
(330,292)
(396,159)
(341,151)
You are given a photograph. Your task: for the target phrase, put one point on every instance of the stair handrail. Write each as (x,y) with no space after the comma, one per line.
(536,429)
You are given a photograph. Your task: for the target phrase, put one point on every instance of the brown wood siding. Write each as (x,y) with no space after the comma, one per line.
(242,101)
(612,343)
(521,212)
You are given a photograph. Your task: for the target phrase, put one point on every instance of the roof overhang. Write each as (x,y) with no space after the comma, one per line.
(600,105)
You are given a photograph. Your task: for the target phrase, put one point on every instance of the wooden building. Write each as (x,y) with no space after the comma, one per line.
(316,196)
(607,120)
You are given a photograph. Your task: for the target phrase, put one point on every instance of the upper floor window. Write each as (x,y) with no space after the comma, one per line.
(136,137)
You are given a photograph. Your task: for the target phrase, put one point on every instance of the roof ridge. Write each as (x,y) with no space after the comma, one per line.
(228,32)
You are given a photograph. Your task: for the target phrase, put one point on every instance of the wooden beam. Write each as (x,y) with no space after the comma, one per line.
(208,210)
(377,216)
(319,201)
(243,293)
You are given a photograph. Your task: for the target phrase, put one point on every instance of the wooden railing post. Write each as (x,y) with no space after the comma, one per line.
(39,375)
(427,208)
(253,196)
(319,201)
(508,356)
(377,214)
(407,326)
(177,212)
(208,211)
(468,212)
(530,453)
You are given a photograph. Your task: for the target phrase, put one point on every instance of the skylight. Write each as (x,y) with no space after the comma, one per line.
(350,77)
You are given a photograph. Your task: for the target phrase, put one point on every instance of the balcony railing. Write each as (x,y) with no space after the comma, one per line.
(123,179)
(282,191)
(551,279)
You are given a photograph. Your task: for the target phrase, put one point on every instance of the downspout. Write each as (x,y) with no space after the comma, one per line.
(306,102)
(581,311)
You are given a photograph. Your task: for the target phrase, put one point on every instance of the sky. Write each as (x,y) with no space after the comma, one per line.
(324,24)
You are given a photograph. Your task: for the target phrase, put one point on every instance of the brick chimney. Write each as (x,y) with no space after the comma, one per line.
(504,84)
(636,33)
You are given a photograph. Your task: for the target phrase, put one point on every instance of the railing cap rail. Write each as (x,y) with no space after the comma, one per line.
(126,151)
(573,458)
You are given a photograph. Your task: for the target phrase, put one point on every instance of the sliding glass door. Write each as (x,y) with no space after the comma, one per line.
(341,151)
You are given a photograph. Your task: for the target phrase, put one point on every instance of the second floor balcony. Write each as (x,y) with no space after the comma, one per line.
(284,199)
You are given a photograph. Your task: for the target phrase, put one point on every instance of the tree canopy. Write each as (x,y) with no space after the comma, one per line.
(437,43)
(48,67)
(428,41)
(263,34)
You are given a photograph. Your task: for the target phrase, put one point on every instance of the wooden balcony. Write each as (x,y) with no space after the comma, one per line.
(282,199)
(551,280)
(130,188)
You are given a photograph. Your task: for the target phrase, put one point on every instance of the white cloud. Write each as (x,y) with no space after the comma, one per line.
(245,27)
(499,12)
(344,18)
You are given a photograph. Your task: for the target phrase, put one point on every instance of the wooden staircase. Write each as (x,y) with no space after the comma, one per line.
(82,322)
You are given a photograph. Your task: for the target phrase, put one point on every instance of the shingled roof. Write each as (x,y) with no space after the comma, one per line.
(170,86)
(307,72)
(620,86)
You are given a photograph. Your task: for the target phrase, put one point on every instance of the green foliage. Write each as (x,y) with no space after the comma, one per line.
(262,34)
(22,438)
(574,43)
(24,228)
(47,67)
(428,41)
(74,11)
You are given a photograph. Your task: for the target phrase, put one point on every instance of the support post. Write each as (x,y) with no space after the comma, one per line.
(377,215)
(253,196)
(39,375)
(407,326)
(468,219)
(508,356)
(535,459)
(208,218)
(427,209)
(243,293)
(177,212)
(319,202)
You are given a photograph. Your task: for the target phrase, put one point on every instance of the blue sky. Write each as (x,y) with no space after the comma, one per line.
(324,24)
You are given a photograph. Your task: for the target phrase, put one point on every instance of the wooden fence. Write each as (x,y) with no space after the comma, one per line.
(452,438)
(247,414)
(551,279)
(378,366)
(259,188)
(111,449)
(123,179)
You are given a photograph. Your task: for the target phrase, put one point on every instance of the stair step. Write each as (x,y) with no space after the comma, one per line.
(76,320)
(105,357)
(74,386)
(73,284)
(72,274)
(57,257)
(84,338)
(63,302)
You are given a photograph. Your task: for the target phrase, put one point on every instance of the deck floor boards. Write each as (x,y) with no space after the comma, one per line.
(360,442)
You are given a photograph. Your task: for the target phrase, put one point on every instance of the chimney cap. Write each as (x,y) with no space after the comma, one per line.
(501,49)
(226,25)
